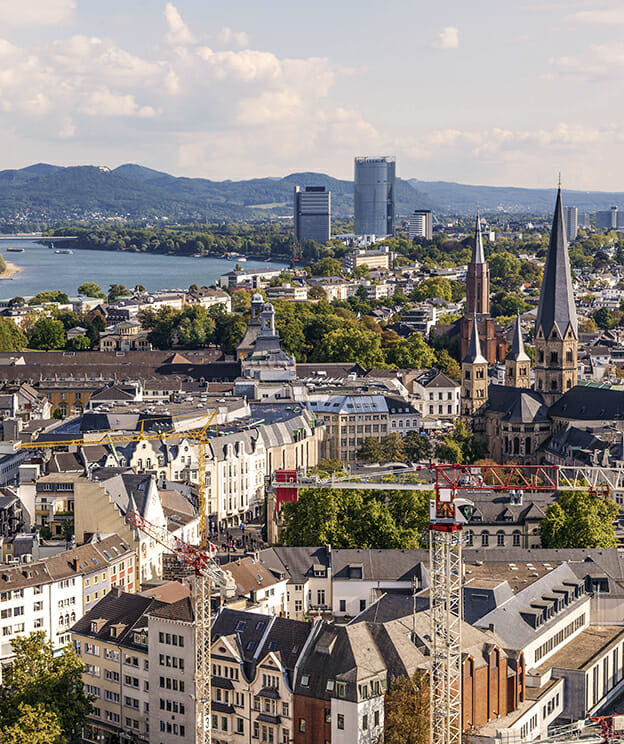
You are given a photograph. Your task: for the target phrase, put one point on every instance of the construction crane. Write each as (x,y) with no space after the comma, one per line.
(208,574)
(449,511)
(111,437)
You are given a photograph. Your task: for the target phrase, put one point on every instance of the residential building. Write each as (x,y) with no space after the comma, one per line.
(50,595)
(312,213)
(374,195)
(607,219)
(436,397)
(420,224)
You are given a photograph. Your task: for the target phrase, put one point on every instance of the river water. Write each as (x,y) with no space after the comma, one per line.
(42,268)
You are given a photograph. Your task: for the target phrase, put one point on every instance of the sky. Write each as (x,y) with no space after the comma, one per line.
(476,91)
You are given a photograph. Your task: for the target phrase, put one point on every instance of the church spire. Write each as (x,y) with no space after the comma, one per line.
(517,352)
(474,355)
(556,305)
(556,326)
(478,254)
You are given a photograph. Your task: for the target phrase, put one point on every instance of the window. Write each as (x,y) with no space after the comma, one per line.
(500,538)
(516,539)
(362,605)
(343,605)
(376,718)
(302,725)
(327,715)
(340,721)
(364,722)
(240,726)
(485,539)
(305,680)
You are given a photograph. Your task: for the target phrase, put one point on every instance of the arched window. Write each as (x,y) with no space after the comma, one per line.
(485,539)
(516,445)
(516,538)
(469,538)
(527,446)
(500,538)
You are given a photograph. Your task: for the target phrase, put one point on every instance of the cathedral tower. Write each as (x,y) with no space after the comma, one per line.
(474,375)
(556,326)
(517,363)
(478,278)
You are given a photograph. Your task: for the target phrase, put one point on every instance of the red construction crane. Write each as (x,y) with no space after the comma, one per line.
(208,573)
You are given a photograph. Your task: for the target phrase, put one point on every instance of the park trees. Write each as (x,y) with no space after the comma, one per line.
(91,289)
(357,518)
(579,519)
(327,266)
(460,446)
(47,334)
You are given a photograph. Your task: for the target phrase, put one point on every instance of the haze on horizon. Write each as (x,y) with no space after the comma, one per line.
(483,92)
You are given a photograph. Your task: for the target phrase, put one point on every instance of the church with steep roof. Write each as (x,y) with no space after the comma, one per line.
(514,418)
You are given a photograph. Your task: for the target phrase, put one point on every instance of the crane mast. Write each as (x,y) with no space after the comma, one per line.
(207,573)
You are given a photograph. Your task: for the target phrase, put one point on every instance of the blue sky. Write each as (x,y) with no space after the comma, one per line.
(481,91)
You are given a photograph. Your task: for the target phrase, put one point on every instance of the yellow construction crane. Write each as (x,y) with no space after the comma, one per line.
(200,435)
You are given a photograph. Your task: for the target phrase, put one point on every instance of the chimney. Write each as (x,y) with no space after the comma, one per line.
(491,627)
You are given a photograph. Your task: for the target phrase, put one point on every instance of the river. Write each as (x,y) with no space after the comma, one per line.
(42,268)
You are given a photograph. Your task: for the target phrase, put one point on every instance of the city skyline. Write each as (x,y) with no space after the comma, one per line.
(474,94)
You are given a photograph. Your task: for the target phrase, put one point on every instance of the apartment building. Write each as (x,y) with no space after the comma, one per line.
(51,594)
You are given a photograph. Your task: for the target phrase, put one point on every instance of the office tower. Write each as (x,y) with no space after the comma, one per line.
(312,212)
(607,219)
(374,196)
(420,224)
(584,219)
(570,215)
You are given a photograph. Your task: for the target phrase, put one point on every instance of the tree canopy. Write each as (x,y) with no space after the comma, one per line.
(357,518)
(460,446)
(406,707)
(42,691)
(47,334)
(579,519)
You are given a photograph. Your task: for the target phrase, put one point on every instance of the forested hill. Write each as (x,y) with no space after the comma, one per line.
(48,192)
(462,198)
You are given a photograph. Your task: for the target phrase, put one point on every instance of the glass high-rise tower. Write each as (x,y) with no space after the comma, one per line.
(374,195)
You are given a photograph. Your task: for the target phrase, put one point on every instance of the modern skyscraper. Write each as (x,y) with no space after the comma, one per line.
(571,222)
(420,224)
(556,325)
(312,213)
(607,219)
(374,195)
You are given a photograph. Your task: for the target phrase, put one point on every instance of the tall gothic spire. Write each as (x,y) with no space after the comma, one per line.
(478,254)
(517,352)
(474,355)
(556,305)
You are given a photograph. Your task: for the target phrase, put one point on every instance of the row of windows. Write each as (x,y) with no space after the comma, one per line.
(172,684)
(172,728)
(11,612)
(171,639)
(172,706)
(559,637)
(171,661)
(500,538)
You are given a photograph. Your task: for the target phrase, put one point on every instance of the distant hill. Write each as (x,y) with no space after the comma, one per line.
(132,191)
(463,198)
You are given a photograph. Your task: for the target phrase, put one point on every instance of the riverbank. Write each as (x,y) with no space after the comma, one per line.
(11,270)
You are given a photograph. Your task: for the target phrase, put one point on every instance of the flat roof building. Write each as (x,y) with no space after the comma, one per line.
(374,194)
(312,213)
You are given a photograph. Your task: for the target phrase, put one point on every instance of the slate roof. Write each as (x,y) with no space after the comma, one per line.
(517,404)
(589,403)
(517,352)
(250,575)
(474,355)
(182,610)
(556,306)
(115,609)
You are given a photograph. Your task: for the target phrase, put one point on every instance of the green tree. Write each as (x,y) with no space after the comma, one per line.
(605,318)
(317,293)
(503,264)
(229,331)
(355,345)
(47,334)
(432,288)
(327,266)
(579,519)
(38,677)
(49,295)
(79,343)
(411,353)
(448,365)
(417,447)
(11,338)
(91,289)
(118,290)
(34,724)
(460,446)
(406,708)
(393,448)
(371,450)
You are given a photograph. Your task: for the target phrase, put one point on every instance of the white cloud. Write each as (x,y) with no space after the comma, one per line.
(227,37)
(596,61)
(179,32)
(609,16)
(448,38)
(35,13)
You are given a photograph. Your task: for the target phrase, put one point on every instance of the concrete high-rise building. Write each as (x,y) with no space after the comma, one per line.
(607,219)
(312,213)
(420,224)
(374,195)
(570,215)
